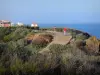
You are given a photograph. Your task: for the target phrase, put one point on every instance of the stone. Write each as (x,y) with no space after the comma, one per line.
(92,44)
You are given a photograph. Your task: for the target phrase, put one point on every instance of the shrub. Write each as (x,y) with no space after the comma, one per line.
(72,59)
(38,45)
(80,44)
(7,38)
(2,47)
(2,30)
(17,34)
(73,34)
(59,29)
(23,53)
(32,48)
(81,37)
(57,48)
(2,69)
(21,42)
(30,68)
(12,46)
(20,33)
(16,66)
(5,31)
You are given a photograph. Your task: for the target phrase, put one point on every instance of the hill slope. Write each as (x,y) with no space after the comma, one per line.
(59,38)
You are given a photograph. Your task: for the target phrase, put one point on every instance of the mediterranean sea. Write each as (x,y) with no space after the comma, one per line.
(92,29)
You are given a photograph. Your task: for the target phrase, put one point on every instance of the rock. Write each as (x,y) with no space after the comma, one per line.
(39,38)
(42,39)
(30,37)
(47,37)
(92,45)
(87,35)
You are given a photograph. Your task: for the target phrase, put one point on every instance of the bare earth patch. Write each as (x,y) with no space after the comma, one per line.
(59,38)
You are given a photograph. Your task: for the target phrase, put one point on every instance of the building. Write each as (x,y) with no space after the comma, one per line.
(20,24)
(12,24)
(4,23)
(34,25)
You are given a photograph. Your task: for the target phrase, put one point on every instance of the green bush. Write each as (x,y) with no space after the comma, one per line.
(3,48)
(23,53)
(5,31)
(57,48)
(30,47)
(59,29)
(80,37)
(73,34)
(2,69)
(16,66)
(15,35)
(7,38)
(12,46)
(30,68)
(39,46)
(20,33)
(22,42)
(2,33)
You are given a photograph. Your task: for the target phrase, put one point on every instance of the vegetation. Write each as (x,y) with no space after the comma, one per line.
(78,34)
(20,57)
(57,48)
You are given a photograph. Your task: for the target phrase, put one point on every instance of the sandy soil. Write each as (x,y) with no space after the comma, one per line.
(59,38)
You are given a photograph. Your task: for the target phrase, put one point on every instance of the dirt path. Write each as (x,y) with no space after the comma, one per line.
(59,38)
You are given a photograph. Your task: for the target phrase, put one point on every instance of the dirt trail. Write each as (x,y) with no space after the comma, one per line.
(59,38)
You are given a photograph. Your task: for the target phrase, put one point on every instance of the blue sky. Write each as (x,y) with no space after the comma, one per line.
(51,11)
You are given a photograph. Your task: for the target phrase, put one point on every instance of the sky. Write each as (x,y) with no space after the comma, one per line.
(50,11)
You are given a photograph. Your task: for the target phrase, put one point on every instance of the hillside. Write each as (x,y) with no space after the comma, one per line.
(24,51)
(59,38)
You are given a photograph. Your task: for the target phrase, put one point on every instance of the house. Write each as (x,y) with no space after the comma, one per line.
(12,24)
(34,25)
(5,23)
(20,24)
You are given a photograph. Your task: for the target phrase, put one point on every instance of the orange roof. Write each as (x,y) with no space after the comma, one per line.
(34,23)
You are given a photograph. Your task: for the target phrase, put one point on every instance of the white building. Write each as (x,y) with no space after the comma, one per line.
(20,24)
(12,24)
(34,25)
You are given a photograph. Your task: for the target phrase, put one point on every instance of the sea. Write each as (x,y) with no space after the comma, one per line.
(92,29)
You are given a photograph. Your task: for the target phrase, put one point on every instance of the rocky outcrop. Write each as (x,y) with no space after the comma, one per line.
(87,35)
(40,38)
(30,37)
(93,45)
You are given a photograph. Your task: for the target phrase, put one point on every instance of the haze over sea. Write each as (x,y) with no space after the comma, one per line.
(92,29)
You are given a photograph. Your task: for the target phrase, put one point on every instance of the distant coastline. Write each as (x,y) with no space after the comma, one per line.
(92,29)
